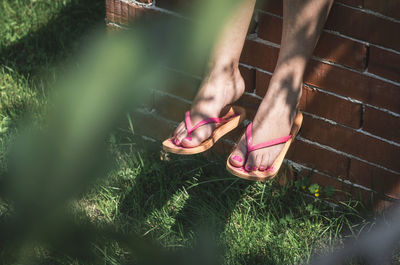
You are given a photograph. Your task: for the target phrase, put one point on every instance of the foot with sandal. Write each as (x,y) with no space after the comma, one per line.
(260,151)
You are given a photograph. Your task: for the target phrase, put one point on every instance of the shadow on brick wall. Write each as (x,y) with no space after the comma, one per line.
(343,101)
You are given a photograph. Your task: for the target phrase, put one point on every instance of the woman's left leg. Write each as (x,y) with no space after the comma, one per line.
(302,23)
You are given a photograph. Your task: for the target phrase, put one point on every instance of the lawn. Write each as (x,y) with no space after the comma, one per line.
(150,205)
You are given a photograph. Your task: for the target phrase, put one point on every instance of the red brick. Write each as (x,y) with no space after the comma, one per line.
(249,76)
(354,85)
(145,123)
(381,204)
(145,13)
(356,3)
(124,13)
(384,63)
(344,191)
(170,107)
(262,83)
(303,99)
(330,47)
(276,6)
(112,28)
(351,142)
(252,27)
(341,50)
(272,6)
(285,174)
(316,157)
(382,124)
(117,11)
(259,55)
(221,147)
(110,10)
(333,108)
(375,178)
(170,3)
(250,103)
(180,85)
(131,12)
(235,134)
(269,28)
(388,7)
(364,26)
(175,5)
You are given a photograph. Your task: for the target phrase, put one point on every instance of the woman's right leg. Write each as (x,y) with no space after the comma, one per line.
(223,83)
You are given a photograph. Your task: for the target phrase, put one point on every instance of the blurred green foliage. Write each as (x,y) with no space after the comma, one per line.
(77,187)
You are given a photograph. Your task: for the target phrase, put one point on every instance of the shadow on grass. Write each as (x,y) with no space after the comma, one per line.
(46,47)
(213,207)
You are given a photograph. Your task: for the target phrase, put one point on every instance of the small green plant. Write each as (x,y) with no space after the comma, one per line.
(314,188)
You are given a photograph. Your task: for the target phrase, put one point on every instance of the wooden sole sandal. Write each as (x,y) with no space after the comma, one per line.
(270,172)
(229,121)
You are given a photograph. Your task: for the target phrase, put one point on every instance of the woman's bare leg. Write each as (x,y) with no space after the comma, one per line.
(223,83)
(302,24)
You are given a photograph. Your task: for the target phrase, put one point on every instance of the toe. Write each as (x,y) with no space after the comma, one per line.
(257,162)
(264,163)
(197,137)
(190,141)
(238,155)
(179,129)
(180,136)
(267,161)
(251,163)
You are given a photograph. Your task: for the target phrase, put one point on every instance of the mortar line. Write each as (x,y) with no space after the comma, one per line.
(370,12)
(268,13)
(173,96)
(328,92)
(360,130)
(325,147)
(352,100)
(298,165)
(337,33)
(271,44)
(356,71)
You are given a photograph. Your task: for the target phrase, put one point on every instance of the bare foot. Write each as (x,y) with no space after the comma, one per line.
(218,89)
(273,120)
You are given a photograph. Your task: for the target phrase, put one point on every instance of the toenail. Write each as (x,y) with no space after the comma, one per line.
(248,168)
(189,138)
(262,168)
(254,168)
(237,158)
(271,168)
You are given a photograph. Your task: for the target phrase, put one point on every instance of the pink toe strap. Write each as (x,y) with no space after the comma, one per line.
(251,147)
(190,128)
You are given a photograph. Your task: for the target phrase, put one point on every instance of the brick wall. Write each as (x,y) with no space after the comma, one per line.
(351,94)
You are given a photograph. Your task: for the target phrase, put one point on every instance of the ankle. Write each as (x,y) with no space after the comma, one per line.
(226,85)
(285,90)
(223,72)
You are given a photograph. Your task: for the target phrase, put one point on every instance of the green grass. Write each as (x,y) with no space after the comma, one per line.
(178,203)
(252,223)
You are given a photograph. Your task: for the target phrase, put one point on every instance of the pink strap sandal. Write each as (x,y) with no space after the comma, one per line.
(229,121)
(271,171)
